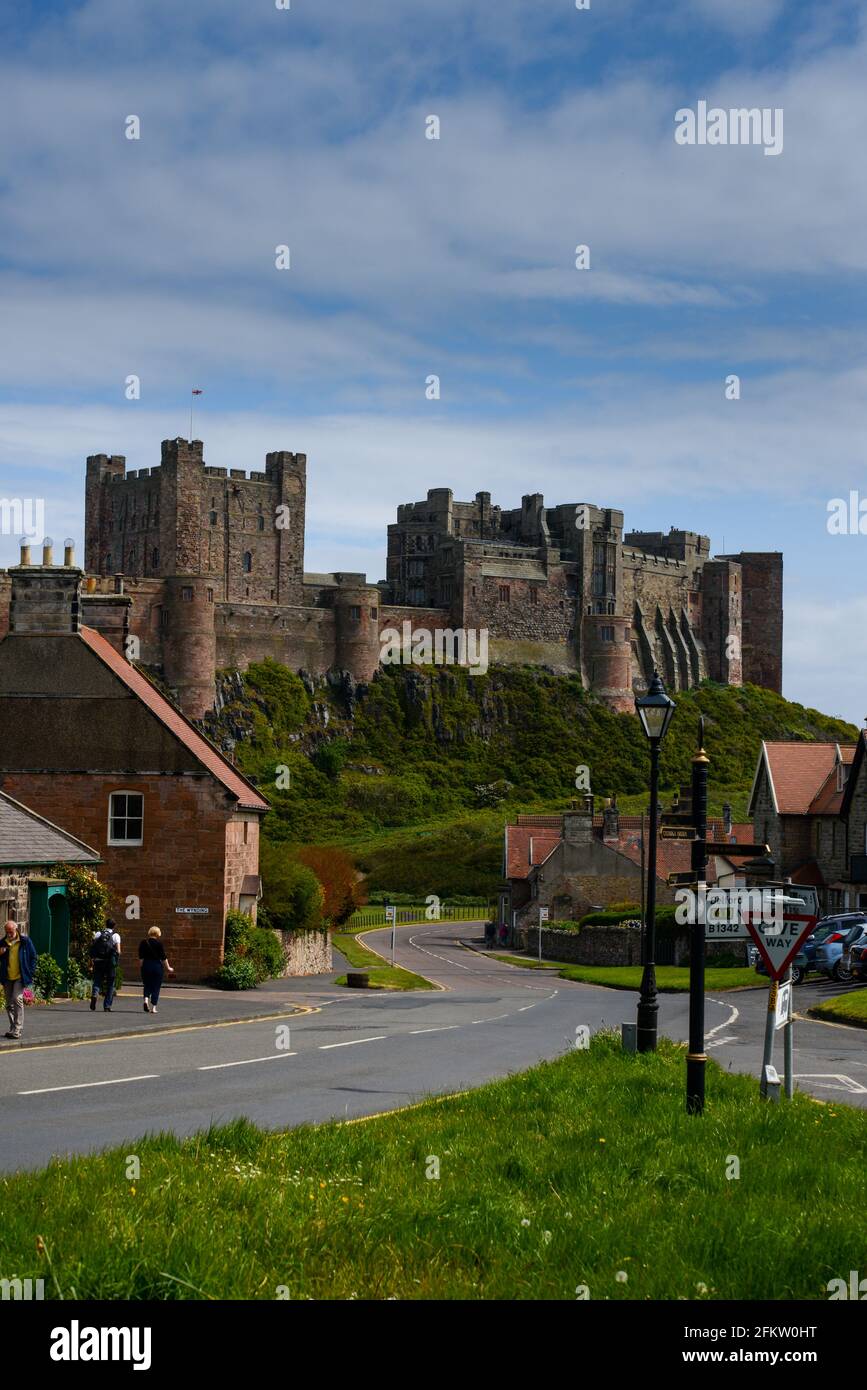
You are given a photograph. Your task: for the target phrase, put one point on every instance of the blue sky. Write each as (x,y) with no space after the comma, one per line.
(455,257)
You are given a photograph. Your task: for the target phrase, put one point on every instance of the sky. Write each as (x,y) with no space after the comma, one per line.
(454,257)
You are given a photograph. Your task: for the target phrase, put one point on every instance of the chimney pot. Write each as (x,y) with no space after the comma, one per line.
(48,551)
(69,553)
(25,551)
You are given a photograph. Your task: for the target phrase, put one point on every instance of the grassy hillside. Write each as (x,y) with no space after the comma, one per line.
(417,772)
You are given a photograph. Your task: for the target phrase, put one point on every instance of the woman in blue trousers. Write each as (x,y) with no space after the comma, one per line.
(152,954)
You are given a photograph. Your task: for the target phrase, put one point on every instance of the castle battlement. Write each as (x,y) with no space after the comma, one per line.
(210,566)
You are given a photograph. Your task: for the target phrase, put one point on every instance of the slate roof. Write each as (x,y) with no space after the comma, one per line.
(207,754)
(27,839)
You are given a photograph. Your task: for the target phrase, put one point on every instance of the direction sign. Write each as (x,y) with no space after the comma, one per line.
(677,832)
(686,878)
(543,914)
(390,914)
(784,1005)
(779,948)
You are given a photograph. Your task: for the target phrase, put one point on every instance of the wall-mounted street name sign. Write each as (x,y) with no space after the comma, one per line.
(193,911)
(734,851)
(677,832)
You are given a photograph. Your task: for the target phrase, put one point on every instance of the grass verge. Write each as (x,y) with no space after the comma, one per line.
(844,1008)
(670,979)
(583,1173)
(382,975)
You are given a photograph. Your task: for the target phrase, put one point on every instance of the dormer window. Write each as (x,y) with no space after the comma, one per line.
(842,776)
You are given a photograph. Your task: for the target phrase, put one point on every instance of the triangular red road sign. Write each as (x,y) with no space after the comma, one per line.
(779,948)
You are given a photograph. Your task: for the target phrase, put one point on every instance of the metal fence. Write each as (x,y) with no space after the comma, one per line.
(375,916)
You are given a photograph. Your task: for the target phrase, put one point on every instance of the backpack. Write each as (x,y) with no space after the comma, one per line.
(102,948)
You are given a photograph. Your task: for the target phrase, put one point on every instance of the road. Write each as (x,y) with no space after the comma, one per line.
(357,1054)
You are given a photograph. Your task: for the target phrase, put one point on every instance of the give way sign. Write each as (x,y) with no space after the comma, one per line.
(778,944)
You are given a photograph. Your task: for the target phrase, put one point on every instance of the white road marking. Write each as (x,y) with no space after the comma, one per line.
(826,1078)
(272,1057)
(492,1019)
(83,1085)
(733,1016)
(443,1028)
(719,1042)
(323,1047)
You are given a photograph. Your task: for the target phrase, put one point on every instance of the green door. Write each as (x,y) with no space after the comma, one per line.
(49,920)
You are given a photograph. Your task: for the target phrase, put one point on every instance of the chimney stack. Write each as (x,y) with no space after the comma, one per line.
(44,597)
(611,820)
(727,819)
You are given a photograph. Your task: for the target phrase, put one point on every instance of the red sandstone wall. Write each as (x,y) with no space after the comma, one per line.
(182,862)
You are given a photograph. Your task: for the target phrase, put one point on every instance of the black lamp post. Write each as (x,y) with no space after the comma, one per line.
(655,711)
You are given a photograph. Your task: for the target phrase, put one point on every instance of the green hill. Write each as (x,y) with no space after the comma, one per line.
(417,772)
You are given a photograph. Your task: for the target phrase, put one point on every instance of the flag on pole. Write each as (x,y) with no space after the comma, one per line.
(196,391)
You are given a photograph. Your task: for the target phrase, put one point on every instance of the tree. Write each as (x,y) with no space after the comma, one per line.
(293,898)
(88,901)
(341,883)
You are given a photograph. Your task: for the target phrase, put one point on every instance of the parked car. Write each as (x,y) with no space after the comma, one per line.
(800,965)
(859,961)
(834,955)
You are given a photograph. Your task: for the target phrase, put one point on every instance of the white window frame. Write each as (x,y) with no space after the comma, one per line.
(110,838)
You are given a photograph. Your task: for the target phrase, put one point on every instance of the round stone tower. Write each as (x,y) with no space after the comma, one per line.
(607,660)
(356,616)
(190,642)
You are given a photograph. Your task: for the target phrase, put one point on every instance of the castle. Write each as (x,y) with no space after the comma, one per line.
(205,568)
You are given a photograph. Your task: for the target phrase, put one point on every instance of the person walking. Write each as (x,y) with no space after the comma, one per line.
(17,964)
(152,954)
(104,956)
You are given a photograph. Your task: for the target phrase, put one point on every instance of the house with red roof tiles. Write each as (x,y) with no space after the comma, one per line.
(89,743)
(581,860)
(805,809)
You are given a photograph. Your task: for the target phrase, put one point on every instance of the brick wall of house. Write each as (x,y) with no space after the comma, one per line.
(242,855)
(182,862)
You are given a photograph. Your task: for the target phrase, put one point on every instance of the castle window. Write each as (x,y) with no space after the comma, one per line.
(155,558)
(534,593)
(273,591)
(213,518)
(355,613)
(247,564)
(125,818)
(446,587)
(132,559)
(373,614)
(106,564)
(164,617)
(261,523)
(504,593)
(187,594)
(415,569)
(415,595)
(210,596)
(611,610)
(607,634)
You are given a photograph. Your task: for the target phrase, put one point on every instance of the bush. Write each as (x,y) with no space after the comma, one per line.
(236,974)
(342,886)
(329,758)
(47,977)
(248,944)
(265,954)
(75,983)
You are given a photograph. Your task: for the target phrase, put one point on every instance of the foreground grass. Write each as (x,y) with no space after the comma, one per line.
(576,1173)
(670,979)
(382,975)
(844,1008)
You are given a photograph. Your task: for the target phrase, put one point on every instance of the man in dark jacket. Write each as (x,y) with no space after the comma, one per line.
(104,954)
(17,964)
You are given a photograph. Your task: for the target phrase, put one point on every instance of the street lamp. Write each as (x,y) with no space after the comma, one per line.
(655,711)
